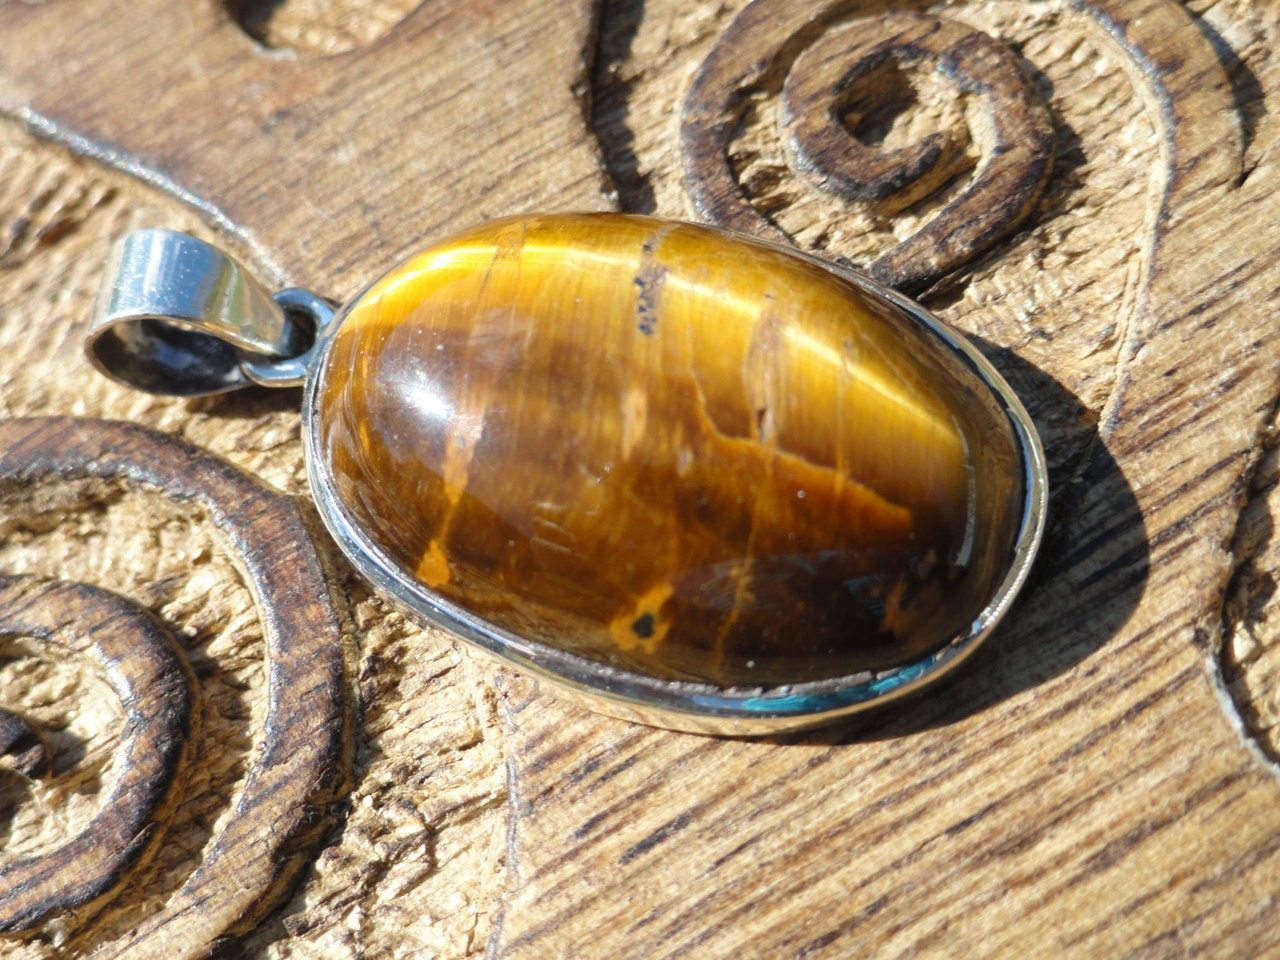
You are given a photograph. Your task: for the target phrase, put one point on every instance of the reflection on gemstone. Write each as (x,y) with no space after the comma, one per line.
(669,449)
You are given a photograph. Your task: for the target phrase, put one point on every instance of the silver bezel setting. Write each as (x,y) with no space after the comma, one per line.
(695,707)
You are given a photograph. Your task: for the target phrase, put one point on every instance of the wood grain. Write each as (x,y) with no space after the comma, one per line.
(831,78)
(299,769)
(22,748)
(1101,782)
(153,683)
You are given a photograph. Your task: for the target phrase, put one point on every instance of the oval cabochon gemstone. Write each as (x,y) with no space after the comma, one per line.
(671,450)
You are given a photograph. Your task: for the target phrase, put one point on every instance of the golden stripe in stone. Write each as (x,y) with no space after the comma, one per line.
(670,449)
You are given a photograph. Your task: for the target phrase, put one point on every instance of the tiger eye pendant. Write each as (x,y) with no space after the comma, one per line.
(708,482)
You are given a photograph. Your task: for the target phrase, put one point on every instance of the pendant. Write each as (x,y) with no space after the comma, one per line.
(695,479)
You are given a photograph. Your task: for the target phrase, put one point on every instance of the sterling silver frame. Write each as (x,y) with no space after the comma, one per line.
(694,707)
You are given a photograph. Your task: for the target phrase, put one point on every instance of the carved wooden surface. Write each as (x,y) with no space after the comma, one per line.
(297,772)
(1083,185)
(153,682)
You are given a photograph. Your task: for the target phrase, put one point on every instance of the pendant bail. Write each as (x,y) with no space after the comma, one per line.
(177,316)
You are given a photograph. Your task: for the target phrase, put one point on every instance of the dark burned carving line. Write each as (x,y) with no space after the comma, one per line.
(22,748)
(755,52)
(301,768)
(816,94)
(154,685)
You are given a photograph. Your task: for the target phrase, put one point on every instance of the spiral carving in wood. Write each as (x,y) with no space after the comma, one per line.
(299,769)
(1087,759)
(832,75)
(153,682)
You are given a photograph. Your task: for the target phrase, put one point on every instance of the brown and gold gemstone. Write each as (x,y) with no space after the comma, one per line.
(669,449)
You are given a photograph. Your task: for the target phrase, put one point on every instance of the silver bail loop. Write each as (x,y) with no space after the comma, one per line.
(178,316)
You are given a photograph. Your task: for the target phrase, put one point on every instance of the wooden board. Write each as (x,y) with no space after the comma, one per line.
(1101,781)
